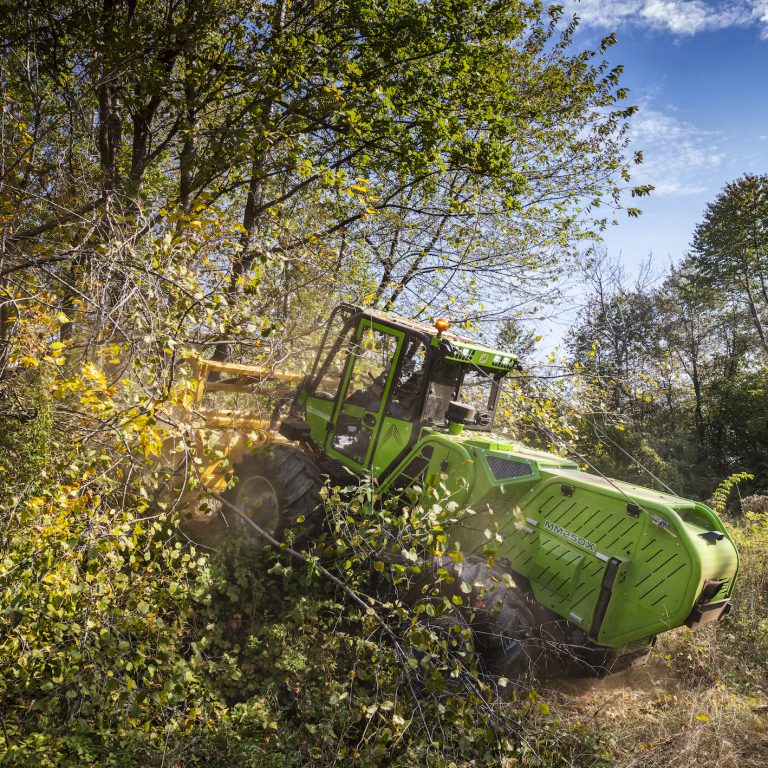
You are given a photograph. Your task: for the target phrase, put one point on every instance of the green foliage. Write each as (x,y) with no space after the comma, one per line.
(725,489)
(373,664)
(124,646)
(730,247)
(666,376)
(744,637)
(98,588)
(25,431)
(324,138)
(99,662)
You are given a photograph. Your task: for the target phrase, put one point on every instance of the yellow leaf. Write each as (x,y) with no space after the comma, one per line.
(94,374)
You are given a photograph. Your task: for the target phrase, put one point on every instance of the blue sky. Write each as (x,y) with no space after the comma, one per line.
(698,69)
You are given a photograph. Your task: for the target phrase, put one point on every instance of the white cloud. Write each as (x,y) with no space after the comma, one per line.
(678,155)
(688,18)
(760,13)
(680,17)
(604,13)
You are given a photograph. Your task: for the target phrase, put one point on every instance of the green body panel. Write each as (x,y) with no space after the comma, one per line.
(318,414)
(485,356)
(394,438)
(568,541)
(563,543)
(619,561)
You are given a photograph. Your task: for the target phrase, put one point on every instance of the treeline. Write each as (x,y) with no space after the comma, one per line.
(675,375)
(247,162)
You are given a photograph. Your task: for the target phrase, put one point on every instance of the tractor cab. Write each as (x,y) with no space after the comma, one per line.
(380,380)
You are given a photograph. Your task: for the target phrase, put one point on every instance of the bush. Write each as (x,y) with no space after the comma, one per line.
(100,665)
(125,646)
(25,430)
(313,678)
(755,504)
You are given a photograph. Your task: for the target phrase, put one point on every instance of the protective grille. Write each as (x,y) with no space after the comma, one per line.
(504,469)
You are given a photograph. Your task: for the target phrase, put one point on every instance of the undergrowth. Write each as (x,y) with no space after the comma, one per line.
(124,644)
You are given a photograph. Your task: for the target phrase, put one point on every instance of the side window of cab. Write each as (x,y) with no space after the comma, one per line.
(409,383)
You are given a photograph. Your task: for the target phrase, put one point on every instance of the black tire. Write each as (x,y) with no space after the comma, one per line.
(278,488)
(500,615)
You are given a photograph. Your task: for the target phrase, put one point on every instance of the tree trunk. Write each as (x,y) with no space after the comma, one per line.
(698,416)
(110,126)
(254,204)
(140,147)
(755,316)
(109,137)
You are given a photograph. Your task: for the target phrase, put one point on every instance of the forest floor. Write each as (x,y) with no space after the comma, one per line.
(661,716)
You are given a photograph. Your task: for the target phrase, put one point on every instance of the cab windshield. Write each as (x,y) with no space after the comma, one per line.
(469,385)
(478,389)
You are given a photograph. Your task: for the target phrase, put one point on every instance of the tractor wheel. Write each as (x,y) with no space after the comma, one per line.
(276,488)
(501,616)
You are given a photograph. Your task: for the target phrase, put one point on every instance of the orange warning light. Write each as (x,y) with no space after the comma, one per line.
(442,324)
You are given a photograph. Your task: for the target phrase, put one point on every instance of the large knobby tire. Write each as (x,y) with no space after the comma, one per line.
(500,615)
(278,489)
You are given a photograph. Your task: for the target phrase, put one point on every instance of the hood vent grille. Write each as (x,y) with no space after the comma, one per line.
(504,469)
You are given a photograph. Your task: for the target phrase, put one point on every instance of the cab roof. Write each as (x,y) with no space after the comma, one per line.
(463,349)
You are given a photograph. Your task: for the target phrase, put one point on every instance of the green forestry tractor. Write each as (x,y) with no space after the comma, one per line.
(591,566)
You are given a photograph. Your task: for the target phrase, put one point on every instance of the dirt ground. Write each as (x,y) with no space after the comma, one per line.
(654,719)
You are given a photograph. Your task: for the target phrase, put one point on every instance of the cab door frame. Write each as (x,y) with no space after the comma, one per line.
(361,424)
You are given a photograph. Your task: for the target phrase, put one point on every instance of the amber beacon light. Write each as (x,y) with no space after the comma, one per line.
(442,325)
